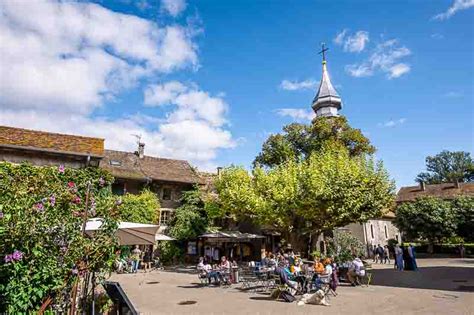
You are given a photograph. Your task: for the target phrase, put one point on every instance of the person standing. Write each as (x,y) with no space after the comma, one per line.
(462,250)
(374,253)
(386,255)
(411,253)
(136,255)
(370,251)
(398,258)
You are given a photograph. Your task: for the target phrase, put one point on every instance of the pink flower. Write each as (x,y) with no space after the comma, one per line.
(8,258)
(101,182)
(71,185)
(52,200)
(17,255)
(76,200)
(39,207)
(61,168)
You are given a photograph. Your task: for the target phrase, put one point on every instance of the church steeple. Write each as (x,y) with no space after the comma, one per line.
(327,102)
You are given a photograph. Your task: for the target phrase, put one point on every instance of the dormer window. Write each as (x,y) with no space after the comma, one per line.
(115,163)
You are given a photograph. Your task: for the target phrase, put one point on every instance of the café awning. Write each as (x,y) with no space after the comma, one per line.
(128,233)
(231,236)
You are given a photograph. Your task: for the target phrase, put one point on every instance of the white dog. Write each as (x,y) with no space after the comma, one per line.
(318,298)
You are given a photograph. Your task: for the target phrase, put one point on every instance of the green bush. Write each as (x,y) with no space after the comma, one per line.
(141,208)
(171,253)
(344,246)
(42,248)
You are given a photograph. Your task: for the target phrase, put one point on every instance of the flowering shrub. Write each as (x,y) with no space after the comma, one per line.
(43,252)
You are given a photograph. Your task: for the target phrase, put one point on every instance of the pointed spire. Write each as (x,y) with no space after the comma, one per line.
(327,102)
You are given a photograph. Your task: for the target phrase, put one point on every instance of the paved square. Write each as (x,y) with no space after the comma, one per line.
(441,286)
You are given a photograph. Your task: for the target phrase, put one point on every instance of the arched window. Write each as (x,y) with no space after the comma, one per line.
(386,232)
(372,231)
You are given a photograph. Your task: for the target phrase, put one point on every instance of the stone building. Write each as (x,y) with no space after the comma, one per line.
(168,178)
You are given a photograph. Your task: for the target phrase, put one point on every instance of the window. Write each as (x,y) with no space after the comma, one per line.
(115,163)
(165,217)
(372,231)
(386,232)
(166,194)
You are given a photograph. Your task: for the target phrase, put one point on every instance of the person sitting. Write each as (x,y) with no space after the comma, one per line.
(318,266)
(271,263)
(356,271)
(224,269)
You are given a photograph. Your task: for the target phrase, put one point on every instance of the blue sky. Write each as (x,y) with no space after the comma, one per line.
(208,81)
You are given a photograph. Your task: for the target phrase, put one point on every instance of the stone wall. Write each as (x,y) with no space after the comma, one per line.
(46,159)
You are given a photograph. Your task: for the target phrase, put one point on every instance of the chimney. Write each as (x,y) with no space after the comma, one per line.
(456,183)
(141,150)
(219,171)
(422,186)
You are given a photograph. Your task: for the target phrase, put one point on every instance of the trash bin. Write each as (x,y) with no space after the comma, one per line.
(235,275)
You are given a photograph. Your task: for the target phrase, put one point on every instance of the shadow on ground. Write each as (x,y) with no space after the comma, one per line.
(433,278)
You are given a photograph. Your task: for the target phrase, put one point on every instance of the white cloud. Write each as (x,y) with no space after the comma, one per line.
(298,85)
(339,39)
(398,70)
(70,56)
(458,5)
(352,43)
(192,103)
(385,58)
(393,123)
(62,60)
(296,113)
(163,94)
(173,7)
(437,36)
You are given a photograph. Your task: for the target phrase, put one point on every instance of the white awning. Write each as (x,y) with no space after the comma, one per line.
(128,233)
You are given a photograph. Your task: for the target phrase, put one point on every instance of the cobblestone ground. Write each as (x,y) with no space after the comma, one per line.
(441,286)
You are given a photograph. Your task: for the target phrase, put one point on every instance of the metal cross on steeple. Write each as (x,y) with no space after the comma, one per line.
(323,51)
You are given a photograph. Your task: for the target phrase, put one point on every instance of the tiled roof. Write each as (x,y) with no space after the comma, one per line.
(445,191)
(129,165)
(48,141)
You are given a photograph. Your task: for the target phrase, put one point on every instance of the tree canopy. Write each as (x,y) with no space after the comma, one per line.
(299,141)
(330,188)
(428,218)
(448,166)
(141,208)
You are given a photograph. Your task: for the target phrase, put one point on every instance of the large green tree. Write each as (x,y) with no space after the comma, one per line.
(299,141)
(464,211)
(448,166)
(330,188)
(428,218)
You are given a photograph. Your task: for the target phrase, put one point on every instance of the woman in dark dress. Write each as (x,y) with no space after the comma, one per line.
(406,259)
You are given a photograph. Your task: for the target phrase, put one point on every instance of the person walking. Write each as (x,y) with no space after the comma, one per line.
(386,255)
(374,253)
(398,257)
(379,254)
(136,255)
